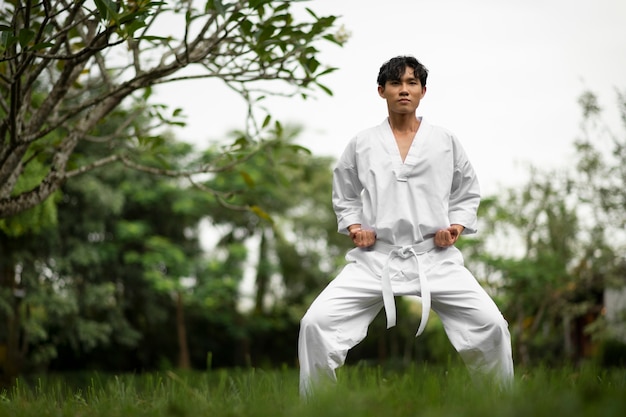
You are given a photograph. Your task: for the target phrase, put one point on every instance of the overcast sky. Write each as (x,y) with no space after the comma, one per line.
(505,76)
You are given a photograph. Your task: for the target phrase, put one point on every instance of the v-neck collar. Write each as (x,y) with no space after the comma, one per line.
(392,145)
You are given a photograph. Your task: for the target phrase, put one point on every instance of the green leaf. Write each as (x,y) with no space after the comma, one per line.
(247,178)
(134,26)
(246,27)
(107,9)
(102,9)
(258,3)
(327,71)
(152,38)
(147,92)
(219,7)
(278,128)
(25,36)
(311,12)
(323,87)
(299,148)
(261,213)
(40,46)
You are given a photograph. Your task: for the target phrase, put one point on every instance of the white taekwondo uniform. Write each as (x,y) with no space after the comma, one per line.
(405,203)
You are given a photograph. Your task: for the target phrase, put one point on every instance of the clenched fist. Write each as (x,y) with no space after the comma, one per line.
(447,237)
(362,238)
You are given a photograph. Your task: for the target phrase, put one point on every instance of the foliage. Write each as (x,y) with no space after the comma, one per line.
(124,265)
(120,242)
(558,247)
(291,232)
(76,81)
(289,192)
(67,66)
(361,391)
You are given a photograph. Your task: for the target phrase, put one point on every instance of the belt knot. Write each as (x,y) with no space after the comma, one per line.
(405,252)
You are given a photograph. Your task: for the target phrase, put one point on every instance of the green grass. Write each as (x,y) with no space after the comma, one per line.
(361,391)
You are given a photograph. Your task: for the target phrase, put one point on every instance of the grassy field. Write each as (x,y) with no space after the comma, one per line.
(416,391)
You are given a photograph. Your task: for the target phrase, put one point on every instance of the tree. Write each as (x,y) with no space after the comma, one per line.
(536,286)
(563,232)
(122,271)
(292,231)
(107,276)
(601,178)
(66,66)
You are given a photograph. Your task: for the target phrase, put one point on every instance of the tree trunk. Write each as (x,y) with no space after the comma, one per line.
(262,275)
(11,366)
(184,361)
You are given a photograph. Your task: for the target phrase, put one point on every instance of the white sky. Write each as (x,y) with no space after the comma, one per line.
(505,76)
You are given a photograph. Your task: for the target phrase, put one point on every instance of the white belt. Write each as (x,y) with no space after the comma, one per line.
(404,252)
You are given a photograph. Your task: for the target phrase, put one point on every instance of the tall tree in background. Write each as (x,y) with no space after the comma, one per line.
(107,276)
(295,247)
(123,271)
(540,222)
(601,178)
(65,66)
(559,242)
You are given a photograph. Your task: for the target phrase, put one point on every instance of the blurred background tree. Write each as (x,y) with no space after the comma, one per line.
(553,248)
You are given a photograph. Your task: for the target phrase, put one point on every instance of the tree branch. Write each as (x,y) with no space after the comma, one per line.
(220,196)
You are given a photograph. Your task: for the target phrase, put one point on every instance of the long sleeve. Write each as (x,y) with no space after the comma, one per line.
(464,193)
(347,189)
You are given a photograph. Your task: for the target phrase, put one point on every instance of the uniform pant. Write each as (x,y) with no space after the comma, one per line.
(339,317)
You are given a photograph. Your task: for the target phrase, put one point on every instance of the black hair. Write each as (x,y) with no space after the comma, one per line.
(393,70)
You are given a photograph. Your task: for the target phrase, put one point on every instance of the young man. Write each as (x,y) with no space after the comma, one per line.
(404,191)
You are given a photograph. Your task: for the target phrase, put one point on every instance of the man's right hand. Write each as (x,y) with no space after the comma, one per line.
(449,236)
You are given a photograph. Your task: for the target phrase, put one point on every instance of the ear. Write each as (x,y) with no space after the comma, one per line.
(381,91)
(423,91)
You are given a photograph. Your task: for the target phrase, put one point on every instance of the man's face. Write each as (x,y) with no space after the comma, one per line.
(403,95)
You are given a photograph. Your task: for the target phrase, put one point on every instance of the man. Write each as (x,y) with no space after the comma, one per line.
(404,191)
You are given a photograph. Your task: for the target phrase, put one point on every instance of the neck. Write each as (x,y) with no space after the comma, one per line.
(404,122)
